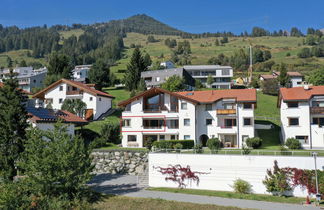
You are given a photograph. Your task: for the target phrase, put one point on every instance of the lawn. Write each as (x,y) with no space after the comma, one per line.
(267,108)
(17,56)
(127,203)
(226,194)
(120,94)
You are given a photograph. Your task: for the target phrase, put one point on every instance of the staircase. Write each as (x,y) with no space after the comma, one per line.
(143,179)
(106,114)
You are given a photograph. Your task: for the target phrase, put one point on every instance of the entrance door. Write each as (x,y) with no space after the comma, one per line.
(203,139)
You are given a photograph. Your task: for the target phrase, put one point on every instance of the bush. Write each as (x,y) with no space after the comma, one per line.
(246,150)
(198,148)
(110,132)
(254,142)
(148,143)
(293,143)
(169,144)
(270,87)
(213,144)
(241,186)
(177,147)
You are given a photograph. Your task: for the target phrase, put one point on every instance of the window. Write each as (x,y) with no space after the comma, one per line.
(209,121)
(162,137)
(186,137)
(74,88)
(90,98)
(247,121)
(228,123)
(60,100)
(34,81)
(229,106)
(318,121)
(186,122)
(293,121)
(154,103)
(209,107)
(153,123)
(131,138)
(126,122)
(61,88)
(292,104)
(174,124)
(317,104)
(157,79)
(99,98)
(174,104)
(225,72)
(302,139)
(174,137)
(128,108)
(184,106)
(247,106)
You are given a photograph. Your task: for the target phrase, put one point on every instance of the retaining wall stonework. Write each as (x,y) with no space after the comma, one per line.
(120,161)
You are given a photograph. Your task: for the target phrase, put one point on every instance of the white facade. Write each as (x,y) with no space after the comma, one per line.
(222,170)
(303,122)
(223,119)
(167,64)
(56,96)
(70,128)
(80,73)
(222,75)
(296,81)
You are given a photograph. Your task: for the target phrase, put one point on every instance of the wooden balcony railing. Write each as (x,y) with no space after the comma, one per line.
(74,92)
(317,110)
(225,111)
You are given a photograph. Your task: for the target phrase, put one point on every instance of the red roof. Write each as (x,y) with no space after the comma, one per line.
(206,96)
(210,96)
(300,93)
(79,85)
(268,76)
(291,73)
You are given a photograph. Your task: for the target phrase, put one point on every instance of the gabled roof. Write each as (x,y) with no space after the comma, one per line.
(152,91)
(79,85)
(210,96)
(206,96)
(52,116)
(300,93)
(291,73)
(22,90)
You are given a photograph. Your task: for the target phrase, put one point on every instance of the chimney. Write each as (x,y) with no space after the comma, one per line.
(306,87)
(38,104)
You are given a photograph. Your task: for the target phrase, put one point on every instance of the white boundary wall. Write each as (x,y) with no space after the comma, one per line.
(224,169)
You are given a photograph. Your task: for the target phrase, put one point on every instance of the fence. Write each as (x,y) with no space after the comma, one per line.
(302,153)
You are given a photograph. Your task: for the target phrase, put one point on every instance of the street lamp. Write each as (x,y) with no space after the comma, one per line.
(318,196)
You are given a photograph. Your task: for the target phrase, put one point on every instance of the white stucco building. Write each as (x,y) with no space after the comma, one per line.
(45,119)
(296,79)
(81,73)
(302,115)
(97,102)
(193,115)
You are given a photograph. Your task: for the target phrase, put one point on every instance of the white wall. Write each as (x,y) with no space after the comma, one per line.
(50,127)
(294,81)
(224,169)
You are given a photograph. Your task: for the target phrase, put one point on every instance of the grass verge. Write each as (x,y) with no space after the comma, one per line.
(123,203)
(225,194)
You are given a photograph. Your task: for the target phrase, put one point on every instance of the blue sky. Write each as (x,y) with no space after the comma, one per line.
(192,15)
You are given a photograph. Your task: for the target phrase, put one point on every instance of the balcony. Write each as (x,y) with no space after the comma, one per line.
(226,111)
(317,110)
(74,92)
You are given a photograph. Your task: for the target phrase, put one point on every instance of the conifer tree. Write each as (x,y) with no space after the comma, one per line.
(283,77)
(134,69)
(100,74)
(13,122)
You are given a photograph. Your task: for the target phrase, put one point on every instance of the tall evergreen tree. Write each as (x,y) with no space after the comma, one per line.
(134,69)
(99,74)
(13,122)
(147,60)
(59,66)
(283,77)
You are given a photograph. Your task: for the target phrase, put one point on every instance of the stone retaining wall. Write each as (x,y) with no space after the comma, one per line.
(120,161)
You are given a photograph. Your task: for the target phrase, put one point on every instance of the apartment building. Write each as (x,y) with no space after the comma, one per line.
(302,115)
(156,77)
(97,102)
(197,115)
(28,78)
(222,75)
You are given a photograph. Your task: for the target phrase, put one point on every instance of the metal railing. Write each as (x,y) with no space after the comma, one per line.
(302,153)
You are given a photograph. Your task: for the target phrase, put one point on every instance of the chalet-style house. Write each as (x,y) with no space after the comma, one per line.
(302,115)
(44,119)
(296,79)
(197,115)
(98,102)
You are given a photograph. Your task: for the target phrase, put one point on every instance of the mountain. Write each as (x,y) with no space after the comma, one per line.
(140,24)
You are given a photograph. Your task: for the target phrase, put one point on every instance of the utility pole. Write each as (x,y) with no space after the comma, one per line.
(318,196)
(250,67)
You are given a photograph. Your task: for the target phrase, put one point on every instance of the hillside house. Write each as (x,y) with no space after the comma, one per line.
(197,115)
(296,79)
(97,102)
(81,73)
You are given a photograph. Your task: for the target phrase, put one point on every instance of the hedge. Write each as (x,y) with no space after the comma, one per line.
(169,144)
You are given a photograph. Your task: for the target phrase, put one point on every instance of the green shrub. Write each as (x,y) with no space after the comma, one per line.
(246,150)
(148,143)
(241,186)
(169,144)
(213,144)
(177,147)
(254,142)
(293,143)
(198,148)
(14,196)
